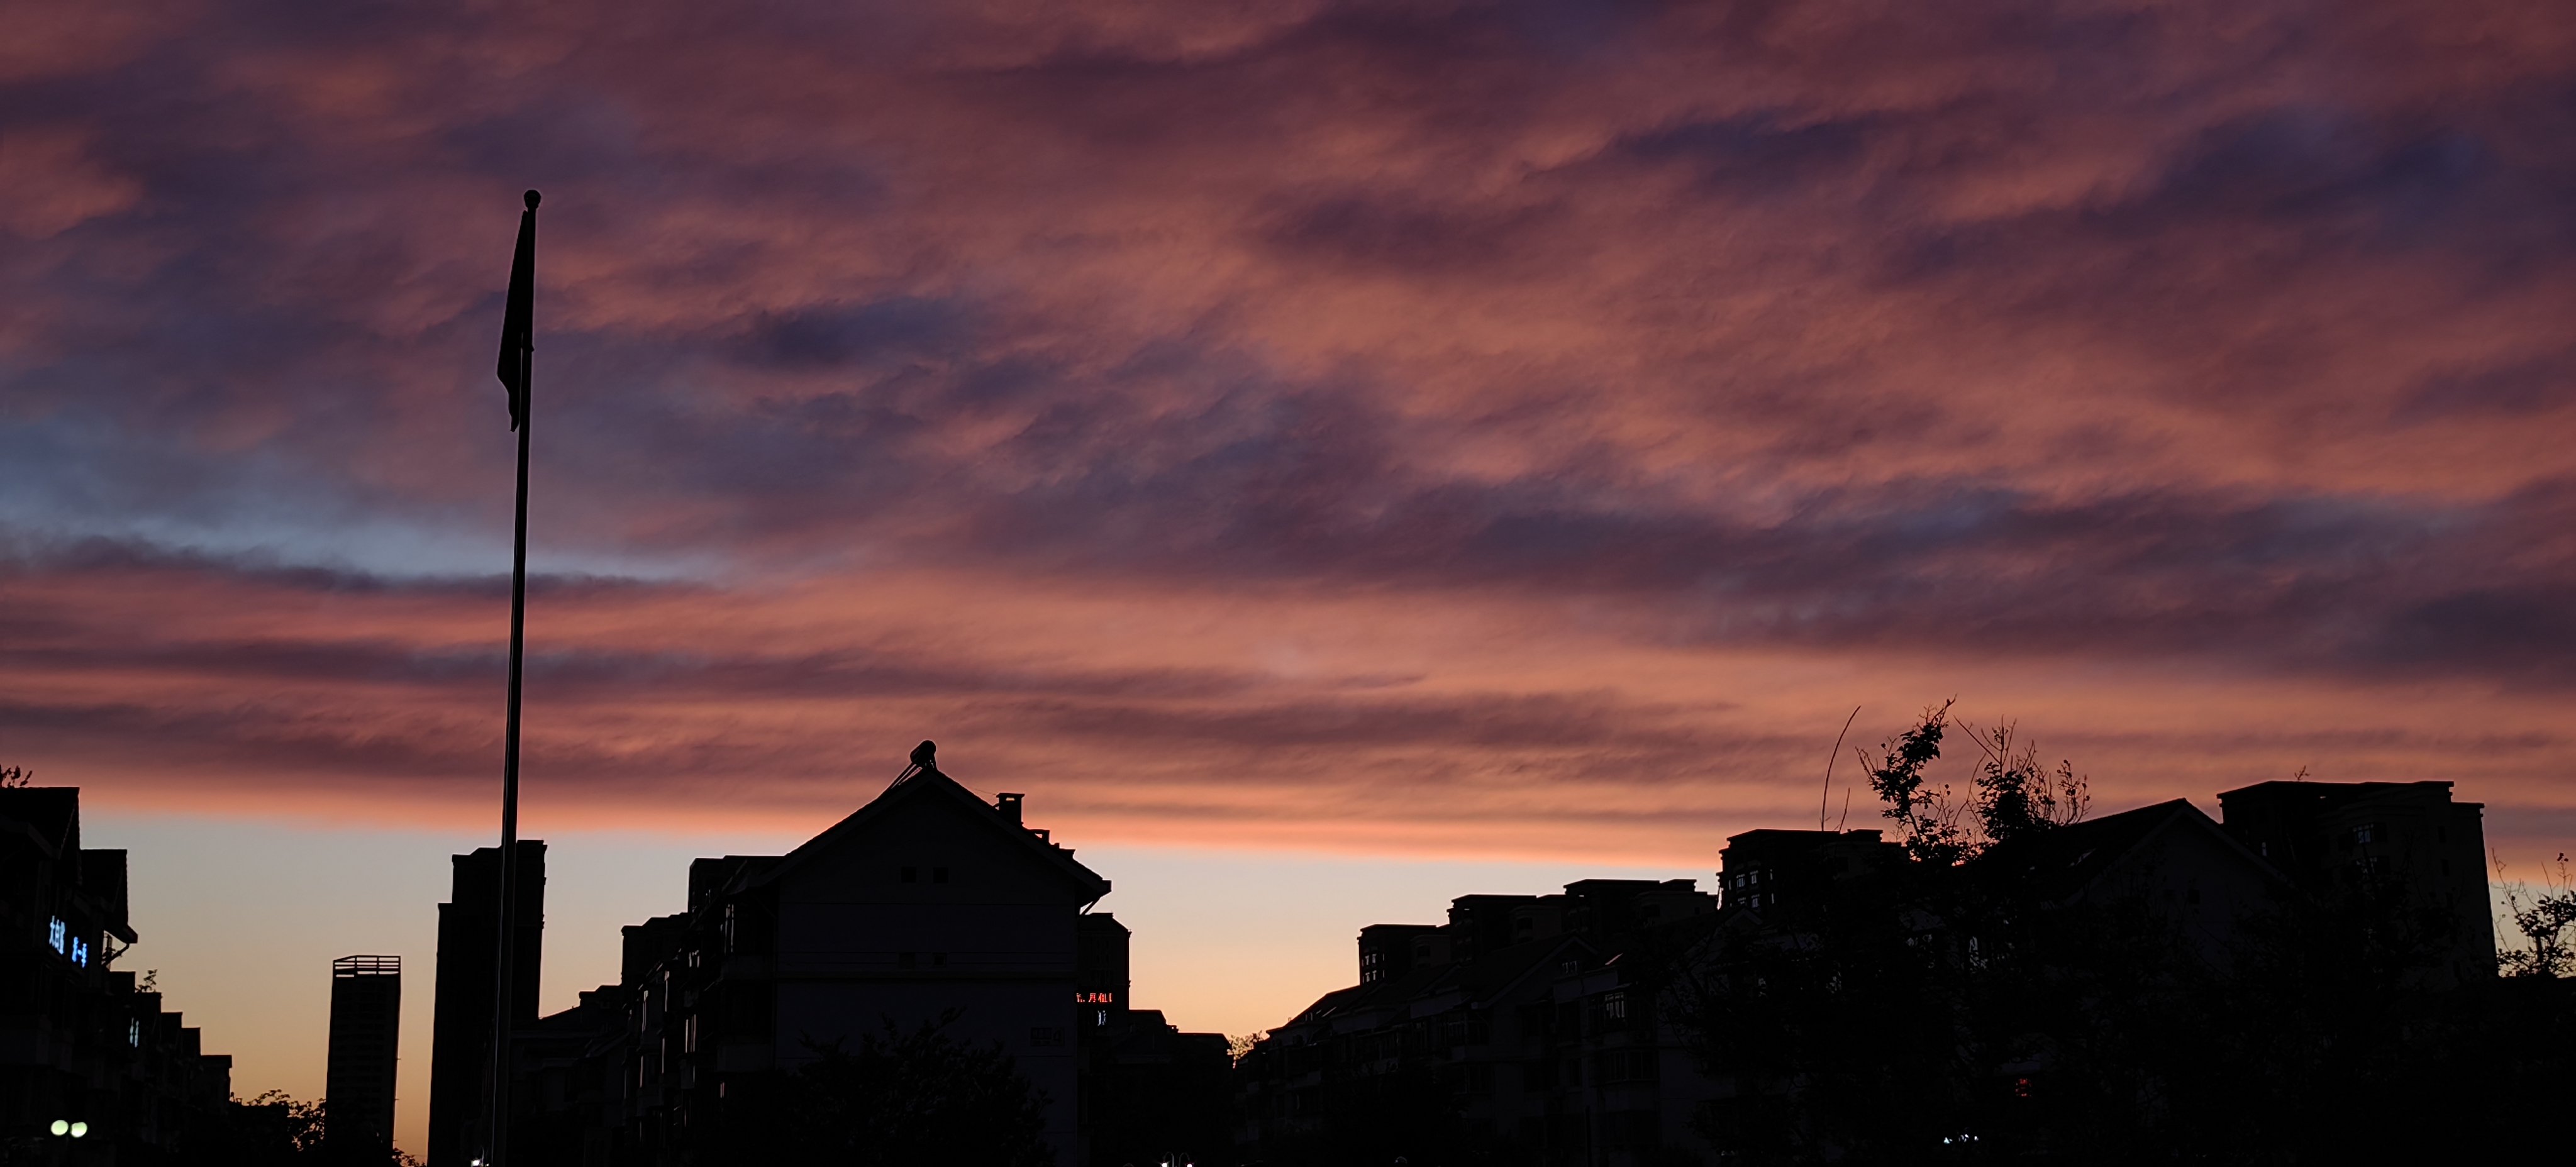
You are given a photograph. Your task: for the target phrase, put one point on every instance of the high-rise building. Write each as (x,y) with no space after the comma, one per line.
(366,1023)
(460,1039)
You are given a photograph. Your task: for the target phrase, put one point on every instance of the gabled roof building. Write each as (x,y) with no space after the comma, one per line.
(928,905)
(2168,857)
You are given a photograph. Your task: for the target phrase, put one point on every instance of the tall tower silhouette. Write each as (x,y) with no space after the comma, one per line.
(461,1030)
(366,1028)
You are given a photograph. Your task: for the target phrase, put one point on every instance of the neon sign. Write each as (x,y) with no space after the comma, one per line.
(54,934)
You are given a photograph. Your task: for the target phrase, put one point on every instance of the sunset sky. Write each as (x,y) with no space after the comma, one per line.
(1332,456)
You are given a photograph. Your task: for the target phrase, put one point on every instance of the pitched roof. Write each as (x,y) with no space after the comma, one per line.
(2065,862)
(927,783)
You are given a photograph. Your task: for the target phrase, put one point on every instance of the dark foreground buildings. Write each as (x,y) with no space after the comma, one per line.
(81,1042)
(928,907)
(2135,977)
(2334,838)
(2134,987)
(366,1032)
(1526,1025)
(469,927)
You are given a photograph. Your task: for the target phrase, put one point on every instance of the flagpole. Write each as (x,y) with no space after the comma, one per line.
(496,1130)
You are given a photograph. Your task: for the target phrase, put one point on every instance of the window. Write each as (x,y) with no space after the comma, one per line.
(1624,1065)
(1465,1029)
(2365,834)
(80,952)
(912,875)
(1102,1018)
(1046,1035)
(1614,1006)
(938,875)
(134,1034)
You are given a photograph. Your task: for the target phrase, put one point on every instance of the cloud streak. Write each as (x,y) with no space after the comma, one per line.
(1441,412)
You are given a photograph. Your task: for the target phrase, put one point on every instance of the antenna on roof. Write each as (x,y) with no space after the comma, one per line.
(924,759)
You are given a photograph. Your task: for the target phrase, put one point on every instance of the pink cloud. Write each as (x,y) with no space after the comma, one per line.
(1451,426)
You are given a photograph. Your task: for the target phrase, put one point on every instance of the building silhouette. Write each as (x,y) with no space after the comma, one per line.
(2405,840)
(81,1041)
(461,1026)
(366,1031)
(927,906)
(1784,871)
(1523,1029)
(1146,1092)
(1555,1029)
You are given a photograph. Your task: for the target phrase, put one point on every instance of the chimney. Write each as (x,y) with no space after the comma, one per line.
(1009,805)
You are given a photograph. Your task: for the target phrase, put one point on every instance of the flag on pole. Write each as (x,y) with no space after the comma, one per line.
(518,325)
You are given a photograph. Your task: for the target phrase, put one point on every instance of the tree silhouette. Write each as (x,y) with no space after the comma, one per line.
(272,1130)
(2547,921)
(1952,1009)
(2013,795)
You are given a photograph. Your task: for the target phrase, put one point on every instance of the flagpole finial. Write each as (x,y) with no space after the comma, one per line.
(532,200)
